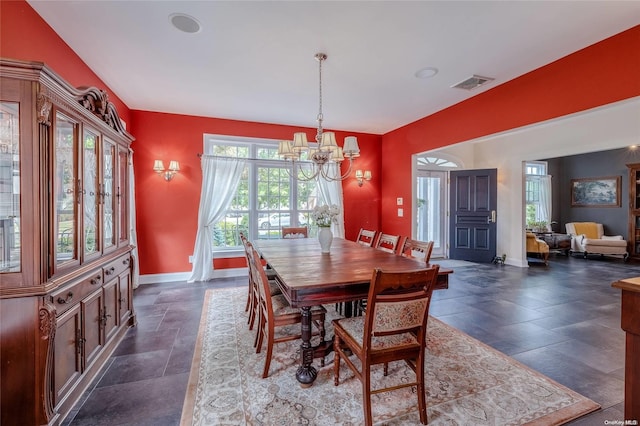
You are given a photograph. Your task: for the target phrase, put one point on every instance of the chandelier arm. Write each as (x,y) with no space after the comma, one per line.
(338,176)
(305,177)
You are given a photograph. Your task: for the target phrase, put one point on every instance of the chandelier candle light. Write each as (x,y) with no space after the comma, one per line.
(324,216)
(327,151)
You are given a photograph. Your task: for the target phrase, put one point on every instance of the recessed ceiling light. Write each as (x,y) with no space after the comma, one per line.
(427,72)
(185,23)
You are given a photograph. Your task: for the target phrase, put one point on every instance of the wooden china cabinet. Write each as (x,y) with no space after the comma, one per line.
(634,211)
(65,257)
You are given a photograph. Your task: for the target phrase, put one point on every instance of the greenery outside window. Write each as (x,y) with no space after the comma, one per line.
(537,195)
(267,197)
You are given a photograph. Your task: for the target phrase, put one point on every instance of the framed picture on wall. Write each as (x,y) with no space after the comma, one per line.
(596,192)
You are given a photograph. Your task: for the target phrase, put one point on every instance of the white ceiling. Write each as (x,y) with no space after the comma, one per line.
(254,60)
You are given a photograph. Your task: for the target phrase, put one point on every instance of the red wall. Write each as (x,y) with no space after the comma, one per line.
(167,212)
(600,74)
(26,36)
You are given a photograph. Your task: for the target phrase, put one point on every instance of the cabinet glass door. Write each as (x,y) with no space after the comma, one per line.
(90,192)
(10,260)
(123,194)
(109,152)
(65,188)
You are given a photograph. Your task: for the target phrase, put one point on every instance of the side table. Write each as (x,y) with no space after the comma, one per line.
(558,243)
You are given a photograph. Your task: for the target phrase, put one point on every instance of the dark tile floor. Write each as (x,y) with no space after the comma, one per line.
(562,320)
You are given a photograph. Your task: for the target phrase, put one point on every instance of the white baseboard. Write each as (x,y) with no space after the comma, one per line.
(183,276)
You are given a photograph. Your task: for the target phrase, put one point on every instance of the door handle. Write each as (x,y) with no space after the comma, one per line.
(492,218)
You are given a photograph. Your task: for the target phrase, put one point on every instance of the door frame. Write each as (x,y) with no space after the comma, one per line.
(439,162)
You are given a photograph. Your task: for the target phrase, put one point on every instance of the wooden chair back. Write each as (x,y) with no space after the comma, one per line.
(395,329)
(387,242)
(416,249)
(366,237)
(274,311)
(295,232)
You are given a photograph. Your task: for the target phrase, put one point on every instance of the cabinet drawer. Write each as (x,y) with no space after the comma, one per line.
(70,295)
(116,267)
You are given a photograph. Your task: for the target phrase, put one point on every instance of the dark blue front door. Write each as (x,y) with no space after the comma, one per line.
(473,215)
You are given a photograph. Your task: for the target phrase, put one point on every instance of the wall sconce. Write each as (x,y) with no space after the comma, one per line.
(174,167)
(362,176)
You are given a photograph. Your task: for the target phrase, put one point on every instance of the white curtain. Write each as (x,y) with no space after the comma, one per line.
(220,178)
(545,200)
(331,193)
(133,235)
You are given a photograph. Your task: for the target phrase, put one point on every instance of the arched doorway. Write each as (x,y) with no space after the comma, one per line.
(430,200)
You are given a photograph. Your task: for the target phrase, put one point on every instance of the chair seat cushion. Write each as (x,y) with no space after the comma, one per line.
(355,328)
(281,307)
(273,288)
(601,242)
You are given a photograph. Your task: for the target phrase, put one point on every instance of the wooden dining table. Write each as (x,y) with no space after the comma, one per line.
(309,278)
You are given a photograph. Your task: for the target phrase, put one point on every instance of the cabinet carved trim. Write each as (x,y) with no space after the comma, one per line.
(43,109)
(97,101)
(48,333)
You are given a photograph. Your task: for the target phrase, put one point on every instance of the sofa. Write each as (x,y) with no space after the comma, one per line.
(588,238)
(536,246)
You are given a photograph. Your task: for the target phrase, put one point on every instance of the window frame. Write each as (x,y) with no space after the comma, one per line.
(253,166)
(533,171)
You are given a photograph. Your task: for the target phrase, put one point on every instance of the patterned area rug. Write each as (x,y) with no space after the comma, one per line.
(467,382)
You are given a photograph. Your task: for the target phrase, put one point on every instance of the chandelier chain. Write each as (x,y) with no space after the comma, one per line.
(320,57)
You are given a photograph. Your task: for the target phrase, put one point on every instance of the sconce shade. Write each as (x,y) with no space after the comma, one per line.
(362,176)
(174,167)
(158,166)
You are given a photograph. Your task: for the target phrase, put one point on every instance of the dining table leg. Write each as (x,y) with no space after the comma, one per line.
(306,373)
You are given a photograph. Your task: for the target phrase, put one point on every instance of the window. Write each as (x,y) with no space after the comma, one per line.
(537,195)
(267,197)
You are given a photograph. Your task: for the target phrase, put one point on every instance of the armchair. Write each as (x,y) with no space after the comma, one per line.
(538,247)
(588,238)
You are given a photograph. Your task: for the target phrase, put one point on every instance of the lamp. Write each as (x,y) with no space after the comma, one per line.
(174,167)
(362,176)
(327,151)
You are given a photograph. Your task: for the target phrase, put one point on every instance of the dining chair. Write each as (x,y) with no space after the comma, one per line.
(253,293)
(366,237)
(274,311)
(295,232)
(394,329)
(387,242)
(416,249)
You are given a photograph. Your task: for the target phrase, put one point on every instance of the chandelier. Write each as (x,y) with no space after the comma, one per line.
(324,160)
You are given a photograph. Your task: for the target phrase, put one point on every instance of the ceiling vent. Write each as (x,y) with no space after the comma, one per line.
(472,82)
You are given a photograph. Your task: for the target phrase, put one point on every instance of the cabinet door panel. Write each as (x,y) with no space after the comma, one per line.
(124,307)
(123,196)
(66,185)
(92,326)
(67,352)
(90,194)
(10,259)
(108,194)
(110,314)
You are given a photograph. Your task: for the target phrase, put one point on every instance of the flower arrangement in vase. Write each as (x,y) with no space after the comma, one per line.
(324,216)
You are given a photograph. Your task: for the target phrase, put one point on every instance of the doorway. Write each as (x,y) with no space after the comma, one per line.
(431,196)
(431,200)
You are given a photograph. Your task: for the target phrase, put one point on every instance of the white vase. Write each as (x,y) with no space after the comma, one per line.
(325,237)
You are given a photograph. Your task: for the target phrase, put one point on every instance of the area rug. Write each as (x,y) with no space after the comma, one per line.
(467,382)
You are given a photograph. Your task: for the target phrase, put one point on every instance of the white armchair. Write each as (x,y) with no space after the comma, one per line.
(588,238)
